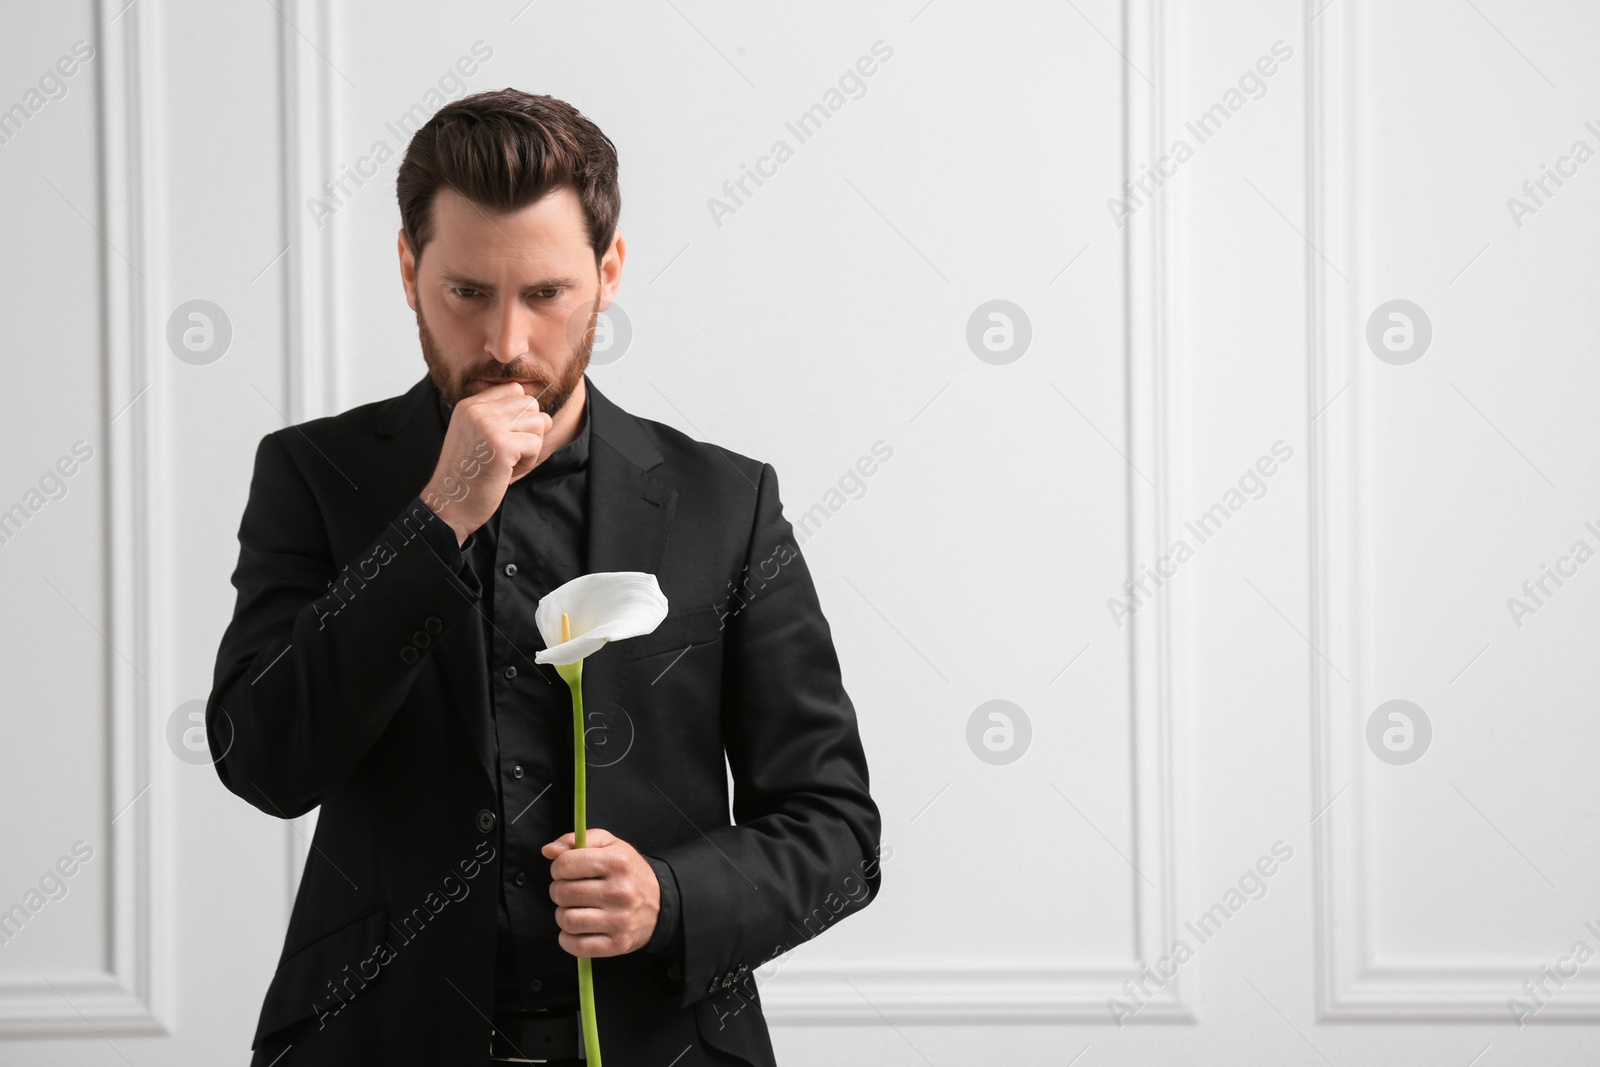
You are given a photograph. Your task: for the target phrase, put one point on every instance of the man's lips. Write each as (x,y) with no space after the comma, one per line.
(503,381)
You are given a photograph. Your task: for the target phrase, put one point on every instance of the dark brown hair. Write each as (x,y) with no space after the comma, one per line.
(504,149)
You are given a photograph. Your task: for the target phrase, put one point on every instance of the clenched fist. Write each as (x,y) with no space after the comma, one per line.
(607,896)
(495,437)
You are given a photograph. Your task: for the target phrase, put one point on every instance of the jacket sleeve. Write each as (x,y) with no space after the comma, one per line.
(803,851)
(667,941)
(321,652)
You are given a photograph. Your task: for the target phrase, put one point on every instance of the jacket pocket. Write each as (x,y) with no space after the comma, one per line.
(350,956)
(698,626)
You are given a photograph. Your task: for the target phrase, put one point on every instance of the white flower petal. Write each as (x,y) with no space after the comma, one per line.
(571,651)
(601,607)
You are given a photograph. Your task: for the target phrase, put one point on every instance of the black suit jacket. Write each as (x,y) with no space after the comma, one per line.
(352,677)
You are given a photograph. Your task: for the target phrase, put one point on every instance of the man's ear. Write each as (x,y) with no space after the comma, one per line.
(611,270)
(408,269)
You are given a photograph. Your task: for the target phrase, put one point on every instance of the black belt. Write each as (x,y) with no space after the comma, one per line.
(542,1035)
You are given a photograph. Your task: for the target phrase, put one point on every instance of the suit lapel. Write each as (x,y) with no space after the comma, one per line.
(630,512)
(629,519)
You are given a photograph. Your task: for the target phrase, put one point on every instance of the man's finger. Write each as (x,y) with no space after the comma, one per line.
(582,863)
(581,919)
(579,893)
(596,838)
(594,946)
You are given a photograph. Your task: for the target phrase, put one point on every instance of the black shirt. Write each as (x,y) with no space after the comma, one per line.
(534,542)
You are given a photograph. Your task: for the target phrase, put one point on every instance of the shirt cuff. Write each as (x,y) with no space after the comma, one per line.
(667,941)
(440,537)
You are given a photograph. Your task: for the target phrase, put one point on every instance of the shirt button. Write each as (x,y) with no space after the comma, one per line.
(537,985)
(521,878)
(511,672)
(516,772)
(485,820)
(433,625)
(511,570)
(409,654)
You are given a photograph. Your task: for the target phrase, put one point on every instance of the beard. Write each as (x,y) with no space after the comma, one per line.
(552,393)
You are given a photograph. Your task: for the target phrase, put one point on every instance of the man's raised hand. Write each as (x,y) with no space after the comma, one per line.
(495,437)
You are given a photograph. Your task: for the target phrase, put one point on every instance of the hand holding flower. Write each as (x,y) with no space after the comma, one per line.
(607,897)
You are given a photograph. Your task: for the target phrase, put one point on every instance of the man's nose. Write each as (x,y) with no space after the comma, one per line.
(508,337)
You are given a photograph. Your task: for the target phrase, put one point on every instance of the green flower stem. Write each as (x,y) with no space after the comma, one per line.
(573,674)
(580,783)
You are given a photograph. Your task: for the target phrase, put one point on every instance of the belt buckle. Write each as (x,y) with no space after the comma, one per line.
(502,1050)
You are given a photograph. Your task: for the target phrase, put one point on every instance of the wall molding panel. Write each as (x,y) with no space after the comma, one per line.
(133,995)
(1351,985)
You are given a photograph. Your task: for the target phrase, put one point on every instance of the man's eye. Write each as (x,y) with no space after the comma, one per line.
(466,293)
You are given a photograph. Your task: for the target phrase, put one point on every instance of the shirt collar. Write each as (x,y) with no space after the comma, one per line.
(574,455)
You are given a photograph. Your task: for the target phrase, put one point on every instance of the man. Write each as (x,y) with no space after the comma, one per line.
(380,664)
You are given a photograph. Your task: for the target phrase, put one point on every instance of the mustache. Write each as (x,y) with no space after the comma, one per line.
(499,376)
(541,385)
(536,379)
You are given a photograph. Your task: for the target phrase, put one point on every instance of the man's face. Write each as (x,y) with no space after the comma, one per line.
(509,297)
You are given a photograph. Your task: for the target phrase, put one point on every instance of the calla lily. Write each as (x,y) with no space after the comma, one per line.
(576,620)
(602,607)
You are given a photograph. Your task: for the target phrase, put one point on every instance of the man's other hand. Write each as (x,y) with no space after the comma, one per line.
(607,897)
